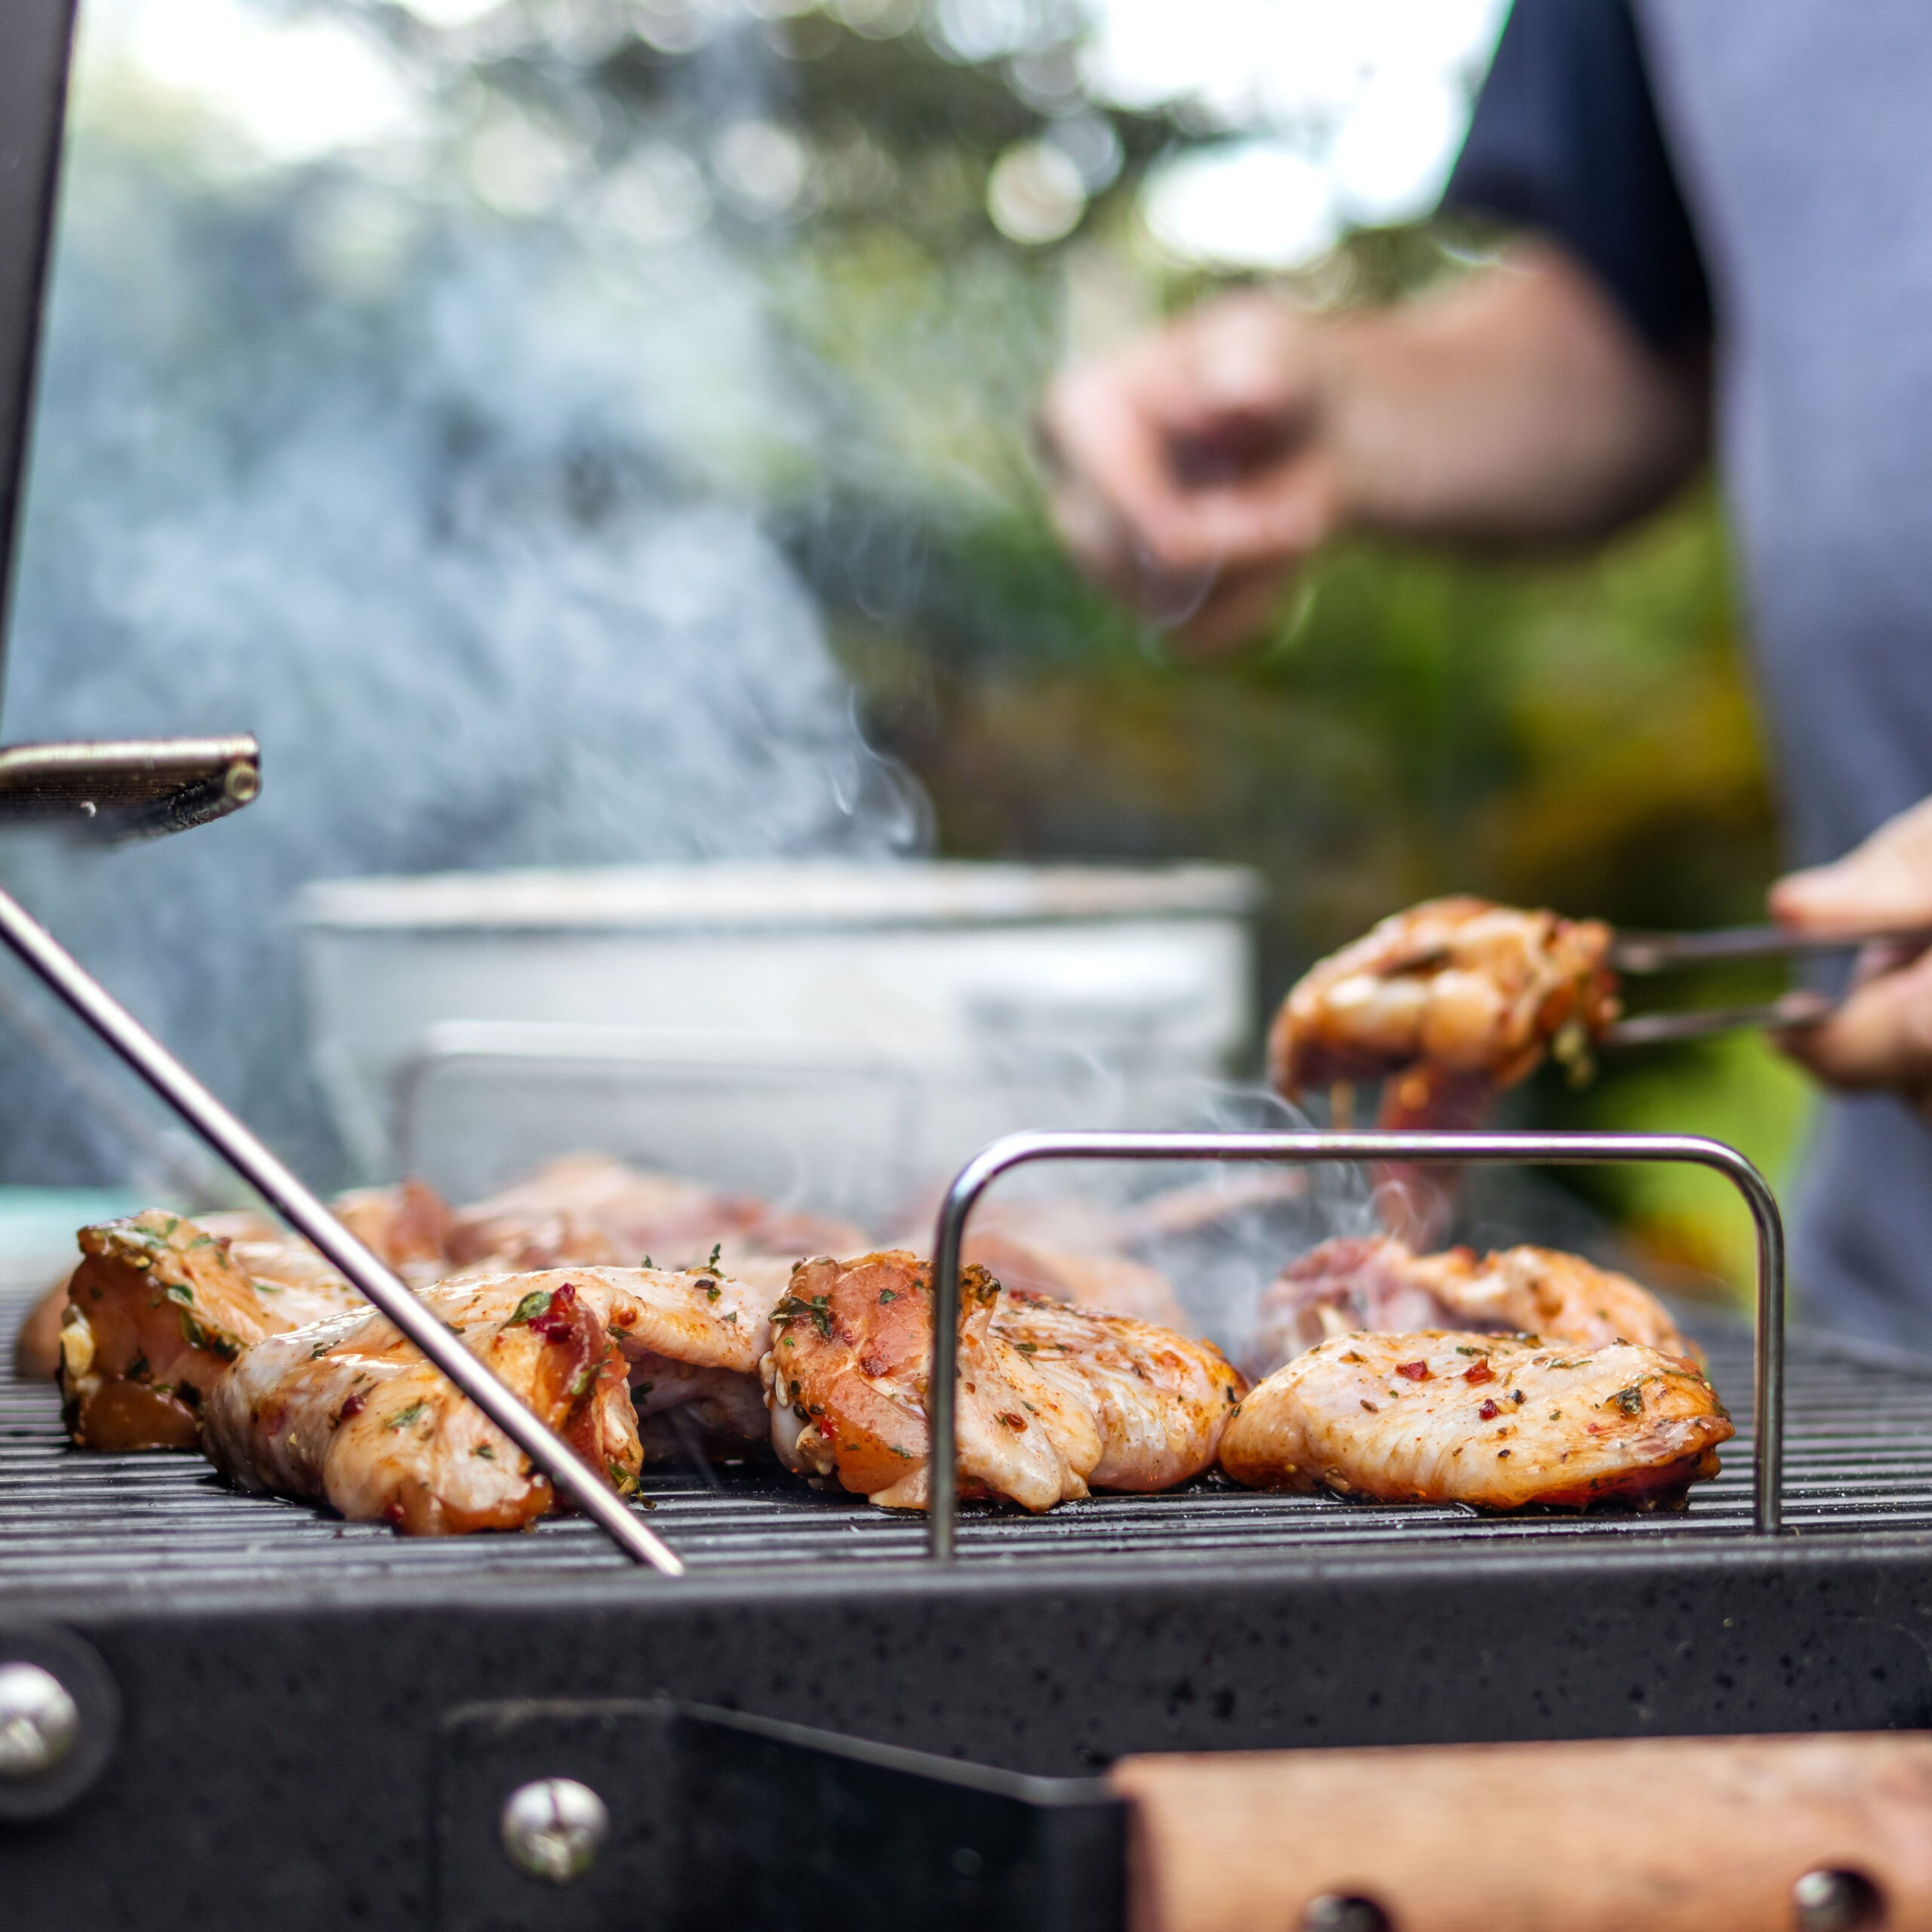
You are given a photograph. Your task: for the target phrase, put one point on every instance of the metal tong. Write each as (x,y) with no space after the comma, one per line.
(1643,953)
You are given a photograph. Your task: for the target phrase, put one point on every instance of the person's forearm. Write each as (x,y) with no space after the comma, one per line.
(1520,406)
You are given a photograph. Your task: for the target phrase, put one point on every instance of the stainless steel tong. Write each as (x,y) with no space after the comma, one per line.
(1643,953)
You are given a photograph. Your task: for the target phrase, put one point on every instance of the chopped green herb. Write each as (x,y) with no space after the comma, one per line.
(730,1315)
(712,1291)
(648,1263)
(403,1417)
(483,1449)
(1630,1400)
(179,1291)
(533,1305)
(888,1294)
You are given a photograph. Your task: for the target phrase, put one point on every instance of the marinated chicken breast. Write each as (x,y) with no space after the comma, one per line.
(1161,1402)
(157,1310)
(846,1380)
(1051,1399)
(575,1344)
(1448,1003)
(1381,1285)
(397,1222)
(1492,1420)
(588,1210)
(348,1413)
(1090,1279)
(407,1225)
(693,1340)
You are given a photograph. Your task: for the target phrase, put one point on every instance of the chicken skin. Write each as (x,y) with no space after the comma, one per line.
(1053,1400)
(1381,1285)
(348,1413)
(585,1210)
(1497,1421)
(398,1223)
(1447,1003)
(576,1345)
(1161,1402)
(156,1311)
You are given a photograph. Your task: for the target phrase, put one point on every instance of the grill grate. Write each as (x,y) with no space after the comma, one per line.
(1859,1458)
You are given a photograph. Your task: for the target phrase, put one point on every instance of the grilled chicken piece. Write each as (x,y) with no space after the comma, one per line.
(1051,1399)
(1161,1402)
(399,1224)
(846,1380)
(1381,1285)
(575,1343)
(1088,1278)
(407,1225)
(157,1310)
(1449,1003)
(587,1210)
(1450,1417)
(348,1413)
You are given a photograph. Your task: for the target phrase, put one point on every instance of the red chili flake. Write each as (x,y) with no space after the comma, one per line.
(353,1406)
(1416,1371)
(1489,1412)
(1013,1422)
(1479,1370)
(553,1324)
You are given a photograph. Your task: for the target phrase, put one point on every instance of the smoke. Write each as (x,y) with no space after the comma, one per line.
(428,534)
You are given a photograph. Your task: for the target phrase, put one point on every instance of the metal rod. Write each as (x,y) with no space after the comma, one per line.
(1800,1007)
(304,1212)
(1304,1145)
(1668,952)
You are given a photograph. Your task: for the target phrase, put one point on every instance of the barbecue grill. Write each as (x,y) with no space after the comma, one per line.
(274,1719)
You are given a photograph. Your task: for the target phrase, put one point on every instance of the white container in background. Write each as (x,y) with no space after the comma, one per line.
(827,1030)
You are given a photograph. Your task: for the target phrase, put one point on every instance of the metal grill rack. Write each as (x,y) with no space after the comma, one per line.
(1859,1458)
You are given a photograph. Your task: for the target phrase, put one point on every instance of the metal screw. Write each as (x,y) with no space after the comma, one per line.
(553,1828)
(1336,1912)
(39,1721)
(1824,1901)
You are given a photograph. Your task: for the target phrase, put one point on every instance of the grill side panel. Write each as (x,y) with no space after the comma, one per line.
(277,1765)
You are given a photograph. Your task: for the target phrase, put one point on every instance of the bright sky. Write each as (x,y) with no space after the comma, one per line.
(1334,111)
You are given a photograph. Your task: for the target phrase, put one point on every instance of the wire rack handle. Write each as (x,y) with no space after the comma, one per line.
(1307,1146)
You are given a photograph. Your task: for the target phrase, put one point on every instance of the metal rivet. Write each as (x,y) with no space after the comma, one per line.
(1825,1901)
(1341,1911)
(552,1828)
(39,1721)
(243,782)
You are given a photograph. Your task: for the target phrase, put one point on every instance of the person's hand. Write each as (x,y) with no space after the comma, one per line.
(1190,473)
(1881,1037)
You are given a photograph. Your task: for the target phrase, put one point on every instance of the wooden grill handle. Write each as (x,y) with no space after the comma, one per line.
(1668,1835)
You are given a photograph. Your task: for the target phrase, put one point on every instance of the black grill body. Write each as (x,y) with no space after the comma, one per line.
(299,1698)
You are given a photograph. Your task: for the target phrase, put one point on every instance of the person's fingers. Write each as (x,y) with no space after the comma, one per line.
(1886,882)
(1200,444)
(1881,1037)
